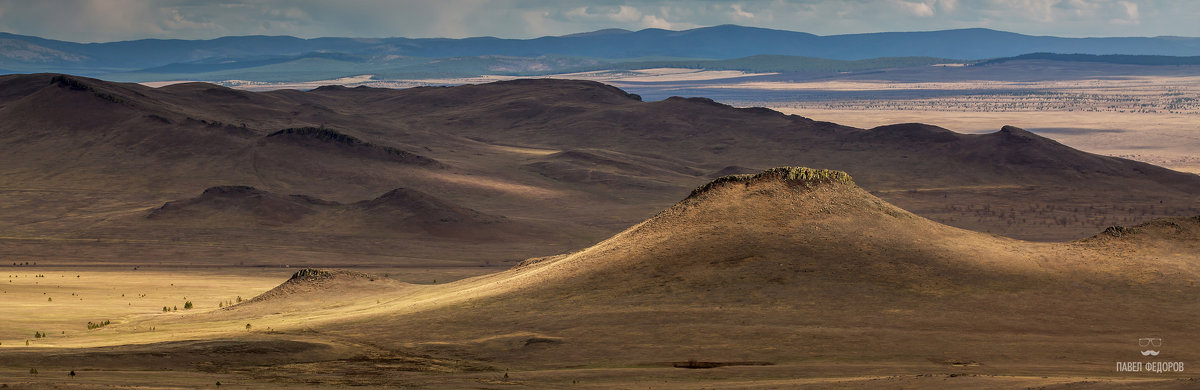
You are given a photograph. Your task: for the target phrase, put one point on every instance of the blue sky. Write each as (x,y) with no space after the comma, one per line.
(110,20)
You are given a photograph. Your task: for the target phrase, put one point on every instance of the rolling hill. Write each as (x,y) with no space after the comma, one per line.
(791,270)
(579,159)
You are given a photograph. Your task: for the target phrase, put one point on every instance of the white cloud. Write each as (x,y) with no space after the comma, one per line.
(1036,10)
(172,20)
(948,5)
(919,9)
(619,14)
(1131,11)
(652,21)
(740,13)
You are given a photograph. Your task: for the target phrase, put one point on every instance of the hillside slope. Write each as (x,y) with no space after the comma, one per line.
(792,268)
(581,159)
(795,265)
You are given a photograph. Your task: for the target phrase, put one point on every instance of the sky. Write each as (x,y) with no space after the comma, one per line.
(114,20)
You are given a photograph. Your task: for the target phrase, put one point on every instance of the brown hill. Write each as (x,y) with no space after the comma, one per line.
(398,211)
(788,273)
(310,283)
(405,208)
(239,205)
(535,151)
(800,268)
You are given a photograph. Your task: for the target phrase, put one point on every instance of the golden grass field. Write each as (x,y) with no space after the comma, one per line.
(60,301)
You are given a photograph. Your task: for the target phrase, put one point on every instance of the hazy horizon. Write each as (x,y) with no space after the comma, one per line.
(102,21)
(598,30)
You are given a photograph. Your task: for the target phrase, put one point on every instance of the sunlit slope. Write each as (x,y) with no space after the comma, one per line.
(788,266)
(795,264)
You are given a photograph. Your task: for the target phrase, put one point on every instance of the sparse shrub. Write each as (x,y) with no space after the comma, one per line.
(97,325)
(73,84)
(33,371)
(320,133)
(187,305)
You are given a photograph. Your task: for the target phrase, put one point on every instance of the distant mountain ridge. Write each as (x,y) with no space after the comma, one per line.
(1123,59)
(20,53)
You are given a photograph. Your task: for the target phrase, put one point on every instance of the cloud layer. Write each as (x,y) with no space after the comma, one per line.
(109,20)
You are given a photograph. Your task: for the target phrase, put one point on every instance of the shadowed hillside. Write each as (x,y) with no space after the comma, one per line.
(397,211)
(321,138)
(581,159)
